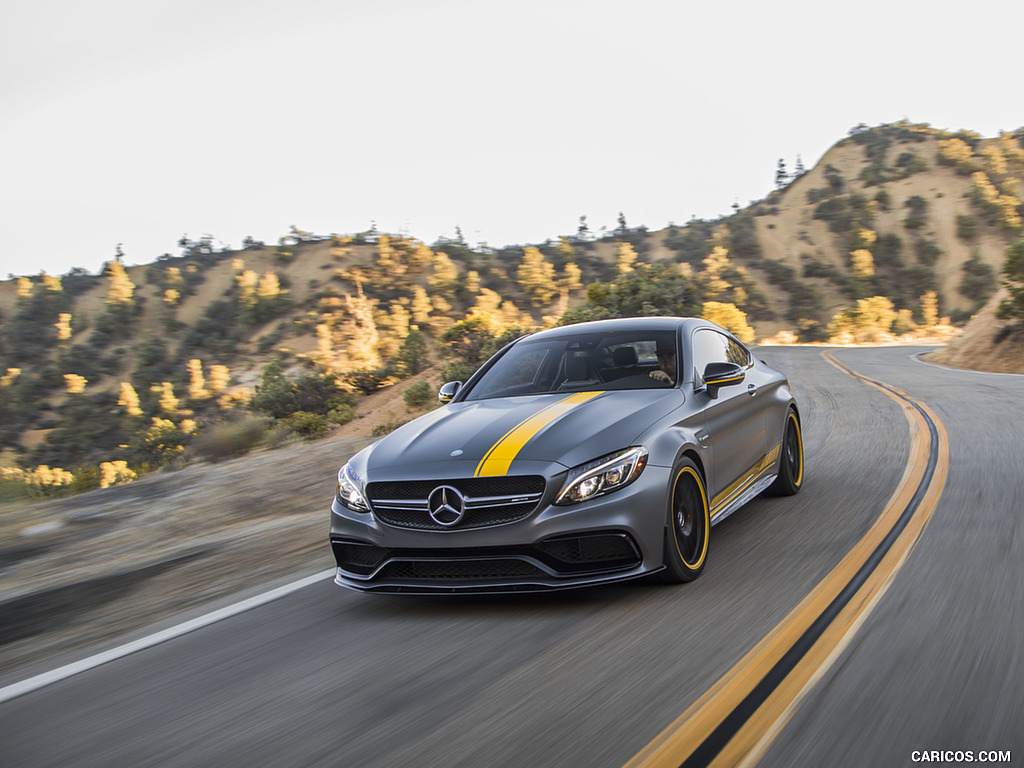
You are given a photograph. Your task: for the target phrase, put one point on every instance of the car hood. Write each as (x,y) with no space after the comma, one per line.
(493,437)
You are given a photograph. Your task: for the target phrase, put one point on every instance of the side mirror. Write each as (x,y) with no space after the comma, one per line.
(448,391)
(722,375)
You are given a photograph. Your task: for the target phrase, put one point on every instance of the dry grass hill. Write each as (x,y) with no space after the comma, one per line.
(895,228)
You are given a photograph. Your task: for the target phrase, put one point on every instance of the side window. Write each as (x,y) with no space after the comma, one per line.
(708,347)
(738,353)
(713,347)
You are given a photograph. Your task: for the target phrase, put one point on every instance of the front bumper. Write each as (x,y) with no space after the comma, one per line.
(612,538)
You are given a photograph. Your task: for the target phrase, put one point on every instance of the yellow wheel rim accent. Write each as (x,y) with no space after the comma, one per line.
(706,516)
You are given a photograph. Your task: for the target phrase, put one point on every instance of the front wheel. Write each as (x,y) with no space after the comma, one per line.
(686,535)
(791,460)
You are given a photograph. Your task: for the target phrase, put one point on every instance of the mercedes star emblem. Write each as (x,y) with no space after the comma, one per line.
(446,505)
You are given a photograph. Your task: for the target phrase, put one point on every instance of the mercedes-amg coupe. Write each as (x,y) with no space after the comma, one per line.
(579,455)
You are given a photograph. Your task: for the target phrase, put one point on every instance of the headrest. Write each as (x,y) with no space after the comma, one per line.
(575,368)
(624,356)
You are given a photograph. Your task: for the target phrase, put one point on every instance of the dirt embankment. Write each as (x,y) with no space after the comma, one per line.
(987,344)
(90,568)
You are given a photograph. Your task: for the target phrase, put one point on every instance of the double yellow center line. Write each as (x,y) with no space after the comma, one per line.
(735,721)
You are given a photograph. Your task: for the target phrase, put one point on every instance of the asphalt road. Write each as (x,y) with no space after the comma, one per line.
(326,677)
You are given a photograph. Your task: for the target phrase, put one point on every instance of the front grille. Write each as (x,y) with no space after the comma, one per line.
(489,501)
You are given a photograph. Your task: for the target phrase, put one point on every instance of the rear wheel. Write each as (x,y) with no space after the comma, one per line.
(686,536)
(791,460)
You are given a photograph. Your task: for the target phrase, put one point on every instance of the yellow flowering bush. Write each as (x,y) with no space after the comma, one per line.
(115,473)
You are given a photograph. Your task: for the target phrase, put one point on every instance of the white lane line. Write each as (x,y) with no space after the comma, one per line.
(46,678)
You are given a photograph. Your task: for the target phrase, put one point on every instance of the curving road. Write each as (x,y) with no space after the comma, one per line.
(325,677)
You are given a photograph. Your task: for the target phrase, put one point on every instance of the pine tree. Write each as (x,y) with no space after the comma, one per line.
(168,402)
(197,382)
(129,399)
(50,283)
(63,326)
(446,275)
(536,276)
(572,277)
(862,263)
(781,177)
(421,306)
(219,378)
(121,288)
(247,281)
(269,286)
(75,384)
(359,333)
(625,259)
(412,355)
(729,317)
(930,309)
(712,276)
(1012,307)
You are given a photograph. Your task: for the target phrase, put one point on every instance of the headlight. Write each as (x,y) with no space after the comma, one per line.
(601,476)
(350,492)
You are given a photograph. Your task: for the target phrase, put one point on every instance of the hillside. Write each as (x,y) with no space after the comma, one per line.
(987,344)
(208,353)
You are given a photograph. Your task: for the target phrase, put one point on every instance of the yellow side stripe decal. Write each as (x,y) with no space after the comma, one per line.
(752,474)
(498,459)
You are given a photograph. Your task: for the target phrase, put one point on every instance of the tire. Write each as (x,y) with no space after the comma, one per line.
(689,524)
(791,460)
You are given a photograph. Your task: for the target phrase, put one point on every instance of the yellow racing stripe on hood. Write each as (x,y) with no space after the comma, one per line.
(498,459)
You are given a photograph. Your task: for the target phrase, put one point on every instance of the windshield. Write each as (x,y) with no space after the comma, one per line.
(574,363)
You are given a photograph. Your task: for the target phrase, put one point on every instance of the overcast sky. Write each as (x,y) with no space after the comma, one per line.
(138,121)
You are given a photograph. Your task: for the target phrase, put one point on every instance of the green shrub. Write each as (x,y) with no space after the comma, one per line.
(966,227)
(815,196)
(888,250)
(927,252)
(233,438)
(872,176)
(418,394)
(911,163)
(835,179)
(1012,308)
(343,414)
(918,212)
(412,355)
(278,397)
(834,212)
(978,281)
(386,428)
(309,425)
(368,381)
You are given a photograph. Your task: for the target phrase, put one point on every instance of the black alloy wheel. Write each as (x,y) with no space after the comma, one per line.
(686,536)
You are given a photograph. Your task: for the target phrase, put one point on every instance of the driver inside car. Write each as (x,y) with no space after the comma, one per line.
(666,370)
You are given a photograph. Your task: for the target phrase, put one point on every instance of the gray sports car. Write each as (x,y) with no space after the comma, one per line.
(579,455)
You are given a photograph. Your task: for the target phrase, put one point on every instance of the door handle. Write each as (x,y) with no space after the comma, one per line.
(751,389)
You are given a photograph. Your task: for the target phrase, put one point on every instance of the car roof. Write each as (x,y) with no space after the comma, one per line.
(617,325)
